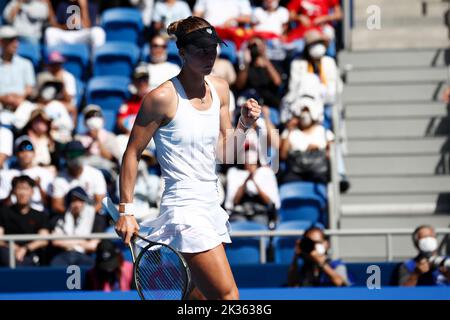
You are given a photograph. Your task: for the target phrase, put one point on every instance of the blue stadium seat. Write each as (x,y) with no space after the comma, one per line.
(80,87)
(274,116)
(302,201)
(172,53)
(116,58)
(77,56)
(284,246)
(122,24)
(229,52)
(145,53)
(244,250)
(30,51)
(108,92)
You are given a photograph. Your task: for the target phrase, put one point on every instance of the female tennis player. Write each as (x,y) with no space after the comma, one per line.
(188,118)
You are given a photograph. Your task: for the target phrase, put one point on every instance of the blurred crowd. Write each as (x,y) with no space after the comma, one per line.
(59,158)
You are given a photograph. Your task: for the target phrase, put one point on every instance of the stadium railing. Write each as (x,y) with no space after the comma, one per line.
(262,235)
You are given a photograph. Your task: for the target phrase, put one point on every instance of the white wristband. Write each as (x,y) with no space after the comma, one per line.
(126,209)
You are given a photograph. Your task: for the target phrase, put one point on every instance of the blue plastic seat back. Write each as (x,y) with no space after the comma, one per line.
(122,24)
(302,201)
(229,52)
(116,58)
(244,250)
(30,51)
(109,92)
(284,246)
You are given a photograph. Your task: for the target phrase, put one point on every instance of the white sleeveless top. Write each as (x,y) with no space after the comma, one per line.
(186,146)
(191,218)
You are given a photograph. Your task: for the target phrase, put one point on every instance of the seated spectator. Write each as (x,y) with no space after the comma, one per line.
(22,219)
(314,61)
(28,17)
(313,15)
(111,271)
(38,129)
(17,80)
(56,72)
(102,151)
(75,26)
(271,18)
(224,14)
(317,269)
(159,69)
(129,110)
(305,139)
(43,177)
(257,72)
(77,174)
(79,220)
(252,191)
(167,11)
(6,145)
(420,270)
(224,69)
(148,187)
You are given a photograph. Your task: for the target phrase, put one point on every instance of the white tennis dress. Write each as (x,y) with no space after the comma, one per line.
(191,218)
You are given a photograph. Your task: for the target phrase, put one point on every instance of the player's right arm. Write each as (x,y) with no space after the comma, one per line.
(157,108)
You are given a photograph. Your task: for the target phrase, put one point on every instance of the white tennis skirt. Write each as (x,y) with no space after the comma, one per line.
(191,219)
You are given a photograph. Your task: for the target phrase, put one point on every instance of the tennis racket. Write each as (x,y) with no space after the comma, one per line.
(160,272)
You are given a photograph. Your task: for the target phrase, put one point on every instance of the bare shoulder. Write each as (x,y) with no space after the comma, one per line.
(161,99)
(221,86)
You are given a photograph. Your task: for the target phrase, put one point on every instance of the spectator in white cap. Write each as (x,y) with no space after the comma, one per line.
(28,17)
(25,153)
(314,61)
(101,146)
(55,71)
(17,78)
(305,138)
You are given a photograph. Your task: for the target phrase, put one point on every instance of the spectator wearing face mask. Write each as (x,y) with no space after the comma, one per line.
(311,267)
(21,218)
(159,69)
(79,220)
(101,146)
(43,177)
(425,269)
(304,137)
(252,191)
(315,62)
(129,110)
(77,174)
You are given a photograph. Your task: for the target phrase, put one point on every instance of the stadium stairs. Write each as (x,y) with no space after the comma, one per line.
(396,126)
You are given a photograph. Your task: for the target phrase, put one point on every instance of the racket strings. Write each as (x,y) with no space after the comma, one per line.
(160,274)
